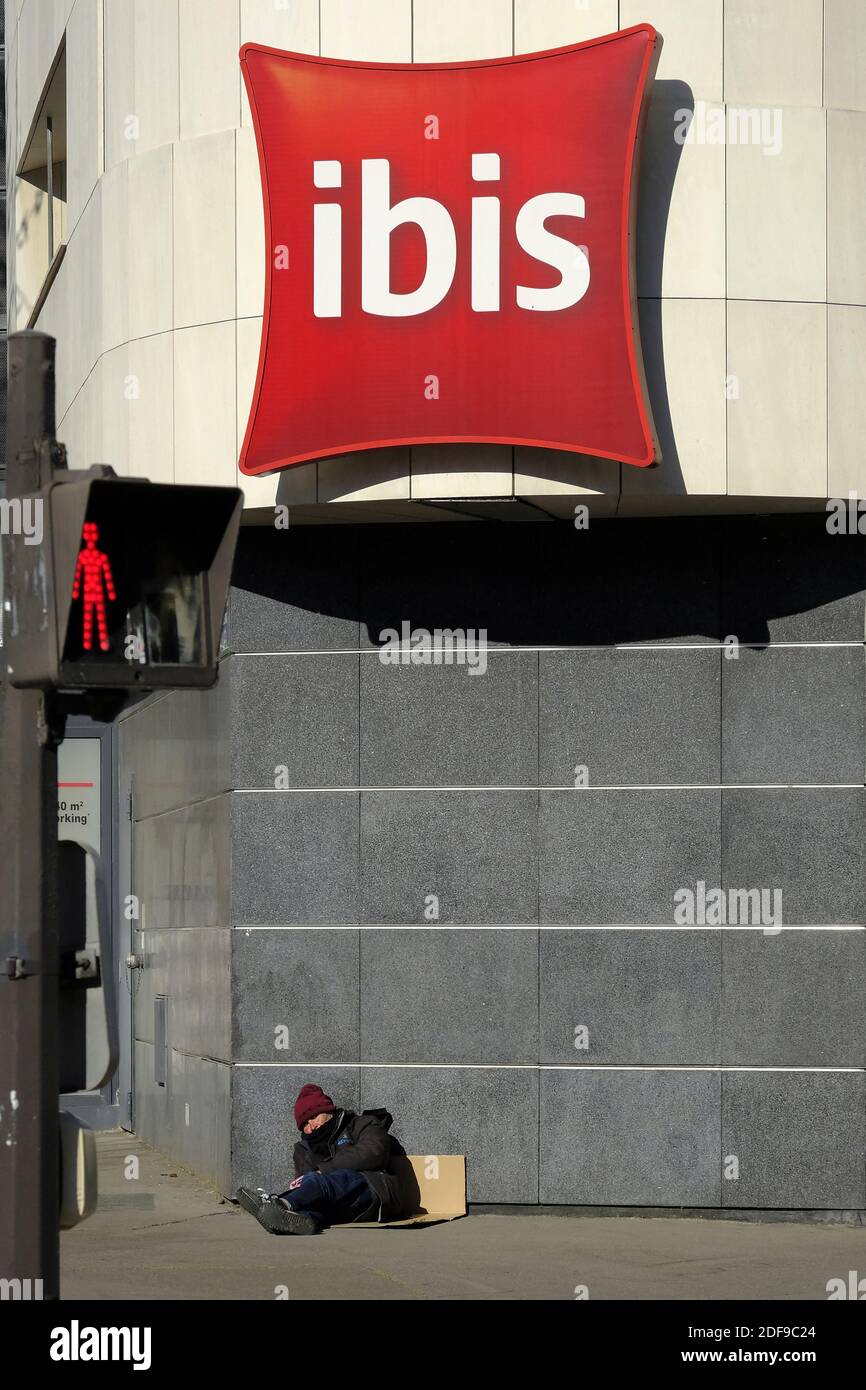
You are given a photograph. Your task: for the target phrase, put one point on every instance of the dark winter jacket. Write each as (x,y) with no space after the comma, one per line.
(362,1142)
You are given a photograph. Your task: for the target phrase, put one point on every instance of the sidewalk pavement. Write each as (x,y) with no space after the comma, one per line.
(168,1235)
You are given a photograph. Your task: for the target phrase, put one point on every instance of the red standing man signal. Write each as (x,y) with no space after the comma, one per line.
(94,567)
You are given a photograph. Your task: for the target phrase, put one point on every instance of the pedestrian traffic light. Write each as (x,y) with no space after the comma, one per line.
(126,586)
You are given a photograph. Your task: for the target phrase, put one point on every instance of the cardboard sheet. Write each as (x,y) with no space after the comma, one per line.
(441,1180)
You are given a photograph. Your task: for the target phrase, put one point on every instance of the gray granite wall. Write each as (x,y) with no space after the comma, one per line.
(176,749)
(714,1066)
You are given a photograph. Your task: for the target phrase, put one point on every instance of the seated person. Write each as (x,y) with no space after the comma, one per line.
(346,1169)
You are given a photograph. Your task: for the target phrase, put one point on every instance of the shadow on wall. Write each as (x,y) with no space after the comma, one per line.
(661,157)
(547,584)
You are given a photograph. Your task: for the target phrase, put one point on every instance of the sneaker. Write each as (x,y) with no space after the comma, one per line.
(278,1218)
(252,1199)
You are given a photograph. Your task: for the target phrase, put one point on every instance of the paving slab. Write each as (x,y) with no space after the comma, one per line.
(163,1233)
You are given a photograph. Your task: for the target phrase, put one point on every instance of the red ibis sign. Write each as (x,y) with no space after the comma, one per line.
(450,252)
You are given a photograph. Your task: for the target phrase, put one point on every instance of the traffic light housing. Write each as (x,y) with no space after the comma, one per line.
(126,587)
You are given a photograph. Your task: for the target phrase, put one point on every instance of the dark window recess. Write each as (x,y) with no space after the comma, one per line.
(160,1039)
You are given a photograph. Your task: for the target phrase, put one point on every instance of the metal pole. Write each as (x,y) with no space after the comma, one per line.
(29,730)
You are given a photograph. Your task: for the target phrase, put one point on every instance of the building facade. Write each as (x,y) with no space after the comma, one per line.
(491,901)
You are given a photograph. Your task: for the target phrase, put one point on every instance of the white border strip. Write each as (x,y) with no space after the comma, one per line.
(532,1066)
(601,647)
(519,926)
(566,787)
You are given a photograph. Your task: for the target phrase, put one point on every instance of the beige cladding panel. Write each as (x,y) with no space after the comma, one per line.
(746,229)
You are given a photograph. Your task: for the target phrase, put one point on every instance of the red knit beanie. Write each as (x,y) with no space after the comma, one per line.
(311,1102)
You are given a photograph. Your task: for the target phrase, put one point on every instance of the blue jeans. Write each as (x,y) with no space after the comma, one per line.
(335,1197)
